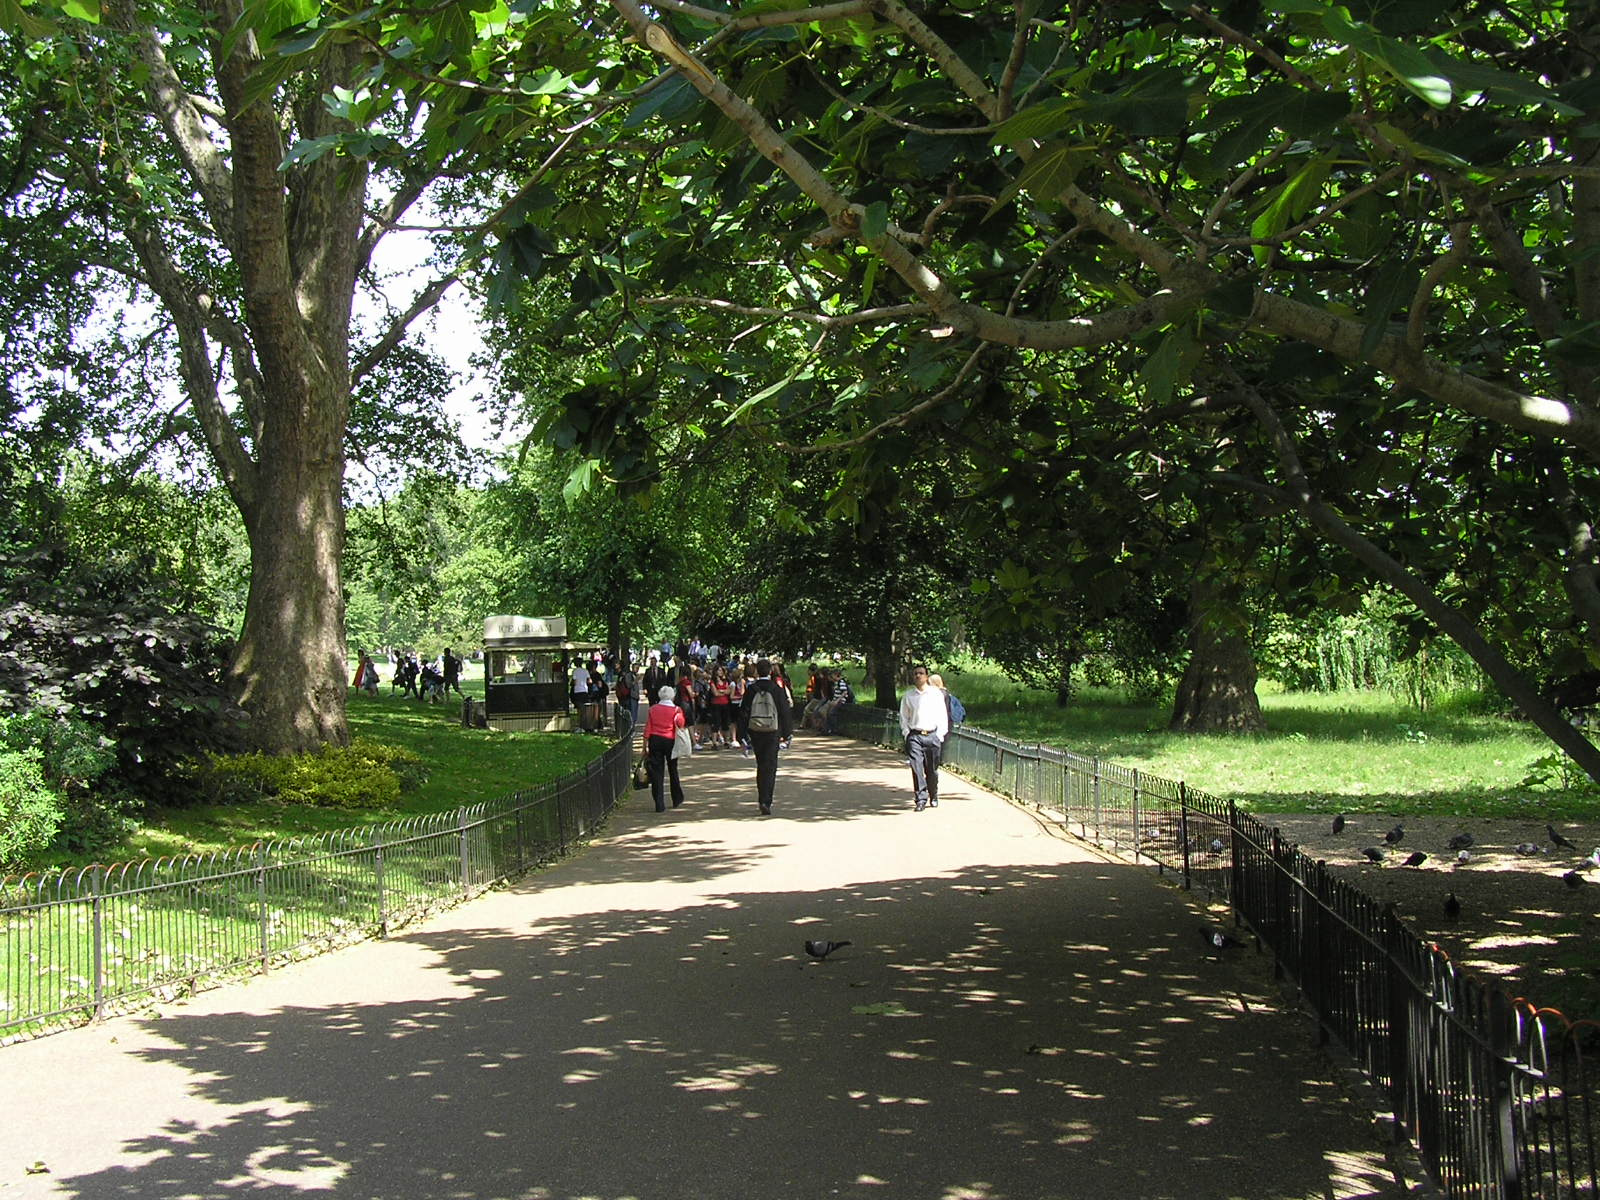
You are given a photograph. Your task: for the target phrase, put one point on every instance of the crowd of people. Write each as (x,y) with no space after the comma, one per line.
(688,696)
(425,679)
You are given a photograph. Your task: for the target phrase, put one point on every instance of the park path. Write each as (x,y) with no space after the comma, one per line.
(1017,1019)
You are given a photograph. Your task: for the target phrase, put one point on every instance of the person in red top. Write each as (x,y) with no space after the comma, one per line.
(661,725)
(721,707)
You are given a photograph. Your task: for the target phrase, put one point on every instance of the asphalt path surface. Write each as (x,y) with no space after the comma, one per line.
(1017,1018)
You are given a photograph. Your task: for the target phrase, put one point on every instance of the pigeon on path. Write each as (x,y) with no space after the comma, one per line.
(1452,907)
(823,949)
(1394,835)
(1416,858)
(1572,879)
(1216,939)
(1461,841)
(1338,823)
(1373,854)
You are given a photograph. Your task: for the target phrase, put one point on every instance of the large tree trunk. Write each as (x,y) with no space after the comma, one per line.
(883,673)
(289,668)
(1218,690)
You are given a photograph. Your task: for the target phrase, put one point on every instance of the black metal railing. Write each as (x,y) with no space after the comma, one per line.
(1499,1096)
(78,944)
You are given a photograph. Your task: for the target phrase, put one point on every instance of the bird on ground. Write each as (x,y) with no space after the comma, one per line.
(1216,939)
(1462,858)
(1594,859)
(1556,838)
(823,949)
(1529,848)
(1452,907)
(1416,858)
(1373,854)
(1338,823)
(1572,879)
(1461,841)
(1394,835)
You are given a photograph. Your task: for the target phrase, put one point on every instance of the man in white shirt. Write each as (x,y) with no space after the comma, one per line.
(924,722)
(580,692)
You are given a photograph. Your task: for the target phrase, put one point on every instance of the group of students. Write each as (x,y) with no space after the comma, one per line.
(432,680)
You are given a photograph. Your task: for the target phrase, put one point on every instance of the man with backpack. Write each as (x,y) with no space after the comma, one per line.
(764,722)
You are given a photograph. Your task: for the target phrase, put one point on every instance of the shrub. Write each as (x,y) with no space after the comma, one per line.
(365,774)
(30,811)
(46,788)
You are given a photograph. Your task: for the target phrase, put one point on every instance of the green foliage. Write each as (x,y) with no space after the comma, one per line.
(364,774)
(100,643)
(1558,773)
(48,766)
(30,810)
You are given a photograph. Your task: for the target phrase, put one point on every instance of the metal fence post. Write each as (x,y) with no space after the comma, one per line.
(1183,833)
(1501,1069)
(98,921)
(1138,824)
(466,857)
(377,872)
(261,905)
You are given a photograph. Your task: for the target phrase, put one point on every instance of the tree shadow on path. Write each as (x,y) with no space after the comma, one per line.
(1015,1020)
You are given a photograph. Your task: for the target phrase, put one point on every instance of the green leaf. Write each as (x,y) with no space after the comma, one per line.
(1049,172)
(1171,364)
(581,481)
(1291,202)
(1039,121)
(875,222)
(544,83)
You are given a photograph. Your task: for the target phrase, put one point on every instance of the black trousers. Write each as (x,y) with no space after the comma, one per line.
(765,747)
(661,765)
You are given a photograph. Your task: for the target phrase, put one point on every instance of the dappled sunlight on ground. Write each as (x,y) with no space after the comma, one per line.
(1015,1019)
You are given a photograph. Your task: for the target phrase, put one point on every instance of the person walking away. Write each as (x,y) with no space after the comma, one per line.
(627,698)
(451,672)
(765,721)
(924,724)
(661,727)
(580,693)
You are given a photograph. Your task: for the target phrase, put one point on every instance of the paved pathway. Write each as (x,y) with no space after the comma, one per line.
(1017,1019)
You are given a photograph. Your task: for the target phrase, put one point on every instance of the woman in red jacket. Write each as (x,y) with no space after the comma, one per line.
(661,726)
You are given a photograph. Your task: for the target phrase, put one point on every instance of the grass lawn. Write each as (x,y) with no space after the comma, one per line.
(1343,752)
(465,766)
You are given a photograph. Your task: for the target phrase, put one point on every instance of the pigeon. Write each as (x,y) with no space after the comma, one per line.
(1338,823)
(1462,858)
(1572,879)
(1461,841)
(1557,839)
(1394,835)
(1217,846)
(1216,939)
(1373,854)
(1594,859)
(1452,907)
(1529,848)
(1416,858)
(823,949)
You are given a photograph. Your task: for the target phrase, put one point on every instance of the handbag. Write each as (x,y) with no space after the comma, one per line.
(682,743)
(641,776)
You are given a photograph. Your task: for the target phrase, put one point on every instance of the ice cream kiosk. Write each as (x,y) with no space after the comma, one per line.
(527,665)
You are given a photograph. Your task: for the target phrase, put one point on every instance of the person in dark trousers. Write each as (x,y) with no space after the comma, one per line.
(765,721)
(662,723)
(452,672)
(924,722)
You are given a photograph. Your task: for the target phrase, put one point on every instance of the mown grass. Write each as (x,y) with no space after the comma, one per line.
(465,766)
(1351,752)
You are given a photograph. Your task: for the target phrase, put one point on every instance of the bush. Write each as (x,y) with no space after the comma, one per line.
(47,768)
(105,644)
(365,774)
(30,811)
